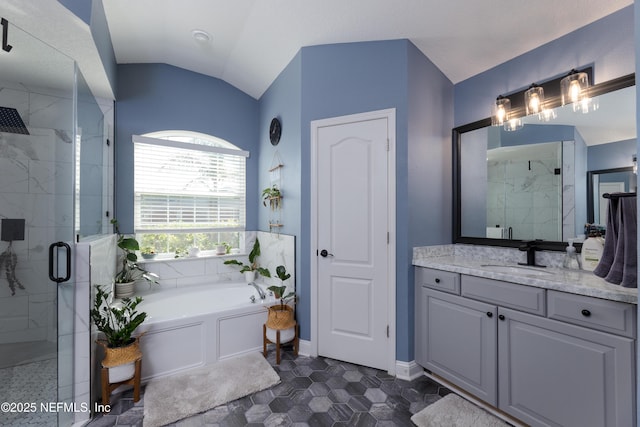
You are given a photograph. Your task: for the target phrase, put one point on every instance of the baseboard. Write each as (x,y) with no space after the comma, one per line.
(304,348)
(408,370)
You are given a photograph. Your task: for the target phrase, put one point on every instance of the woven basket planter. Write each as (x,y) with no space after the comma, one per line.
(116,356)
(280,317)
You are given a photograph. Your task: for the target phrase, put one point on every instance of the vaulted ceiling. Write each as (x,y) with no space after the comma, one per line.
(252,41)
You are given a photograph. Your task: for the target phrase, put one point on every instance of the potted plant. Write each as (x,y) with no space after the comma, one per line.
(222,248)
(252,268)
(130,270)
(272,196)
(281,316)
(118,323)
(148,252)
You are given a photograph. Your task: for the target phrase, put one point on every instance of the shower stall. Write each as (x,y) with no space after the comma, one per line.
(55,189)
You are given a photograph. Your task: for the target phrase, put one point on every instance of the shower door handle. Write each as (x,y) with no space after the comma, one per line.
(56,247)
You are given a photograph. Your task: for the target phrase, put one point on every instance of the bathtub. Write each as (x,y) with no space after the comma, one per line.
(197,325)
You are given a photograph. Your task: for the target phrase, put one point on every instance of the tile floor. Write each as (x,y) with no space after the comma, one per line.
(313,392)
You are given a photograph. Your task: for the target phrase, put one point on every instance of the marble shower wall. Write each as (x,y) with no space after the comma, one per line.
(526,194)
(278,249)
(95,266)
(35,184)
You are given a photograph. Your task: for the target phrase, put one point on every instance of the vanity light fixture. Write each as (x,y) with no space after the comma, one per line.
(634,160)
(514,124)
(535,103)
(501,115)
(501,110)
(574,89)
(534,99)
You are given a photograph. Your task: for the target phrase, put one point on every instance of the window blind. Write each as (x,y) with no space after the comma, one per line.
(184,187)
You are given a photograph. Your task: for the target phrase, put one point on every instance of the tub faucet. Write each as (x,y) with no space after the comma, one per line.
(259,289)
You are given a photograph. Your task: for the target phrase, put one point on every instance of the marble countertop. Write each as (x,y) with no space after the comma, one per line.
(560,279)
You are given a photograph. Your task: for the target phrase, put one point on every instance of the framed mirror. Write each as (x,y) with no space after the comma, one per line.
(536,183)
(600,182)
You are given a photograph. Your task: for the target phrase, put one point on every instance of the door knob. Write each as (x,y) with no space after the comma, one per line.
(324,253)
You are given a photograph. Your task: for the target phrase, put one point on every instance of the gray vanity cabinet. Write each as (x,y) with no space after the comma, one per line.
(555,374)
(546,357)
(457,340)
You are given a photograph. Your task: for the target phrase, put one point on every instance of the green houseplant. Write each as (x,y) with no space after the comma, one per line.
(280,324)
(249,270)
(278,291)
(118,323)
(130,270)
(272,196)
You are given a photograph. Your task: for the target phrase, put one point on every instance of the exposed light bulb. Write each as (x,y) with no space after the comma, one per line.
(501,111)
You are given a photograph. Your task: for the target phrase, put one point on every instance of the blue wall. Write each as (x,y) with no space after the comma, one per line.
(428,207)
(335,80)
(607,45)
(345,79)
(613,155)
(283,100)
(154,97)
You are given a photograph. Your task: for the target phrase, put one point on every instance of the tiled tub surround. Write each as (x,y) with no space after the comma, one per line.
(276,249)
(201,312)
(477,261)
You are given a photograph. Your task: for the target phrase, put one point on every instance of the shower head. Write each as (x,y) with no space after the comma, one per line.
(10,121)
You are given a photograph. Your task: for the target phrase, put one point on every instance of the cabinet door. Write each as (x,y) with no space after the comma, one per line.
(458,342)
(555,374)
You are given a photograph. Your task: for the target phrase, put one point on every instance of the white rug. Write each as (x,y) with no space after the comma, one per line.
(454,411)
(173,398)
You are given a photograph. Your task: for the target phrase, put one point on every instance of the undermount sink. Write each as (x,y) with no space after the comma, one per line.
(520,270)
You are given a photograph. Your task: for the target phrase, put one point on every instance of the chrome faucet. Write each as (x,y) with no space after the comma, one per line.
(259,289)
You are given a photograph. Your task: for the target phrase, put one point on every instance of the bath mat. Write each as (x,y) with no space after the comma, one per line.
(179,396)
(454,411)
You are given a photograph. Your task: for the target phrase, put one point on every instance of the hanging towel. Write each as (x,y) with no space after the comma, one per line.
(619,263)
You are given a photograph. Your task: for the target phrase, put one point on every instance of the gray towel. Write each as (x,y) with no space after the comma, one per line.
(618,264)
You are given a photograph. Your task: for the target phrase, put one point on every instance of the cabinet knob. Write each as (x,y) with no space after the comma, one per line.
(501,317)
(437,280)
(586,313)
(489,314)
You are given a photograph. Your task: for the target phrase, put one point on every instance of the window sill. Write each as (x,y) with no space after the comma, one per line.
(166,258)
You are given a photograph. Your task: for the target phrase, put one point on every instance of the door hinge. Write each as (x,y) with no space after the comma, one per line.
(387,331)
(388,238)
(387,144)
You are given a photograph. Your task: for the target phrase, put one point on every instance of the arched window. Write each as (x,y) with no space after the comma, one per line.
(189,191)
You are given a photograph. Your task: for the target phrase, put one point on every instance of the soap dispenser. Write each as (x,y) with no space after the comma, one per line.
(571,259)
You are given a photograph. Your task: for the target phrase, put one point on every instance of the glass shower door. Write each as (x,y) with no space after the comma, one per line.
(37,151)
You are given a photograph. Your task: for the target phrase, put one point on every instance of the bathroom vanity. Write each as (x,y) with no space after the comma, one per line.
(548,346)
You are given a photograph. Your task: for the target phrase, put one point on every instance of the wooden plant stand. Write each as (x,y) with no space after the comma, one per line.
(107,388)
(295,341)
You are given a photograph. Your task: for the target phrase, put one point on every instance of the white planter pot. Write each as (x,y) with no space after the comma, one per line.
(221,250)
(286,335)
(249,276)
(122,372)
(125,290)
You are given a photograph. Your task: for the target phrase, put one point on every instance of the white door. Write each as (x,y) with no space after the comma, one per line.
(352,236)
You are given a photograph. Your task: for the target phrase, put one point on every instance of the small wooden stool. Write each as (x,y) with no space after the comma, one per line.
(107,388)
(265,341)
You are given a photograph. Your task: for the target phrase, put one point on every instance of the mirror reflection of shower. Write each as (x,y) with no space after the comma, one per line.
(524,191)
